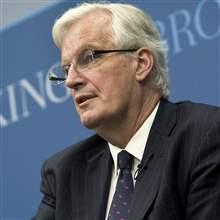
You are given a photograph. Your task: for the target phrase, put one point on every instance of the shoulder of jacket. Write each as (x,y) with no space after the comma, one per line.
(74,153)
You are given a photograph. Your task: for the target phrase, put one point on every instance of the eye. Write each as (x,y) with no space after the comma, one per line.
(85,58)
(65,69)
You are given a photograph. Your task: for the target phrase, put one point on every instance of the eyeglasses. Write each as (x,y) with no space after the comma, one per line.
(86,60)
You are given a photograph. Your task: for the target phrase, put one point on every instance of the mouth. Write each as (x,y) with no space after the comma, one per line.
(83,99)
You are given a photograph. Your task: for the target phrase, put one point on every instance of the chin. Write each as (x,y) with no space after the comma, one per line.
(94,118)
(89,121)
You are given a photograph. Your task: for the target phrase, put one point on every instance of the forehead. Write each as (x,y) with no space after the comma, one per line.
(94,30)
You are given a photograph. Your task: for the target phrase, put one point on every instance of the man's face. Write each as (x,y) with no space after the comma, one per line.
(102,95)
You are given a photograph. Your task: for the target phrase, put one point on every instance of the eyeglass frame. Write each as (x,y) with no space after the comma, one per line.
(54,78)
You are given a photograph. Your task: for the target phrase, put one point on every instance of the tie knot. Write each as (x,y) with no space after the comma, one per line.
(125,160)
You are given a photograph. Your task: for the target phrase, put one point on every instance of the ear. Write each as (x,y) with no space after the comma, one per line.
(145,63)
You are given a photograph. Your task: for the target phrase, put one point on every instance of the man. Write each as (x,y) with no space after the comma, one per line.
(115,65)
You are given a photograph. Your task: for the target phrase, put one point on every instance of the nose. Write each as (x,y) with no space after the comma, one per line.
(74,80)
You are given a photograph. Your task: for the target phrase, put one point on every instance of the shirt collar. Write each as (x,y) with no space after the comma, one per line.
(137,143)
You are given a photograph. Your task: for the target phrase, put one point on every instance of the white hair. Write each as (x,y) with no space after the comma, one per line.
(132,28)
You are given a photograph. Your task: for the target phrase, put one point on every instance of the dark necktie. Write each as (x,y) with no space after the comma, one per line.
(120,206)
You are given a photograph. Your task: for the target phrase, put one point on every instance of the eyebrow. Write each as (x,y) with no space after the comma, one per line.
(90,46)
(64,63)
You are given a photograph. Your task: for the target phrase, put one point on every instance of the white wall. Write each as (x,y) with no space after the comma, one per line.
(14,10)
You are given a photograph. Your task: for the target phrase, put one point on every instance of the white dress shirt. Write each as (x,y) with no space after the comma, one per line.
(135,147)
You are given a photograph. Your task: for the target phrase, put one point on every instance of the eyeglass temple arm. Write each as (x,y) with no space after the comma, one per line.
(112,51)
(55,78)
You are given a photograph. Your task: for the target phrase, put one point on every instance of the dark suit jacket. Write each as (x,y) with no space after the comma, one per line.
(180,179)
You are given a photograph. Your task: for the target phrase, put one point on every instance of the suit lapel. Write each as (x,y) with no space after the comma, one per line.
(98,182)
(90,183)
(148,181)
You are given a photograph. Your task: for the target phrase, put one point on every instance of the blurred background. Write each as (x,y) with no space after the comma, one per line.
(38,119)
